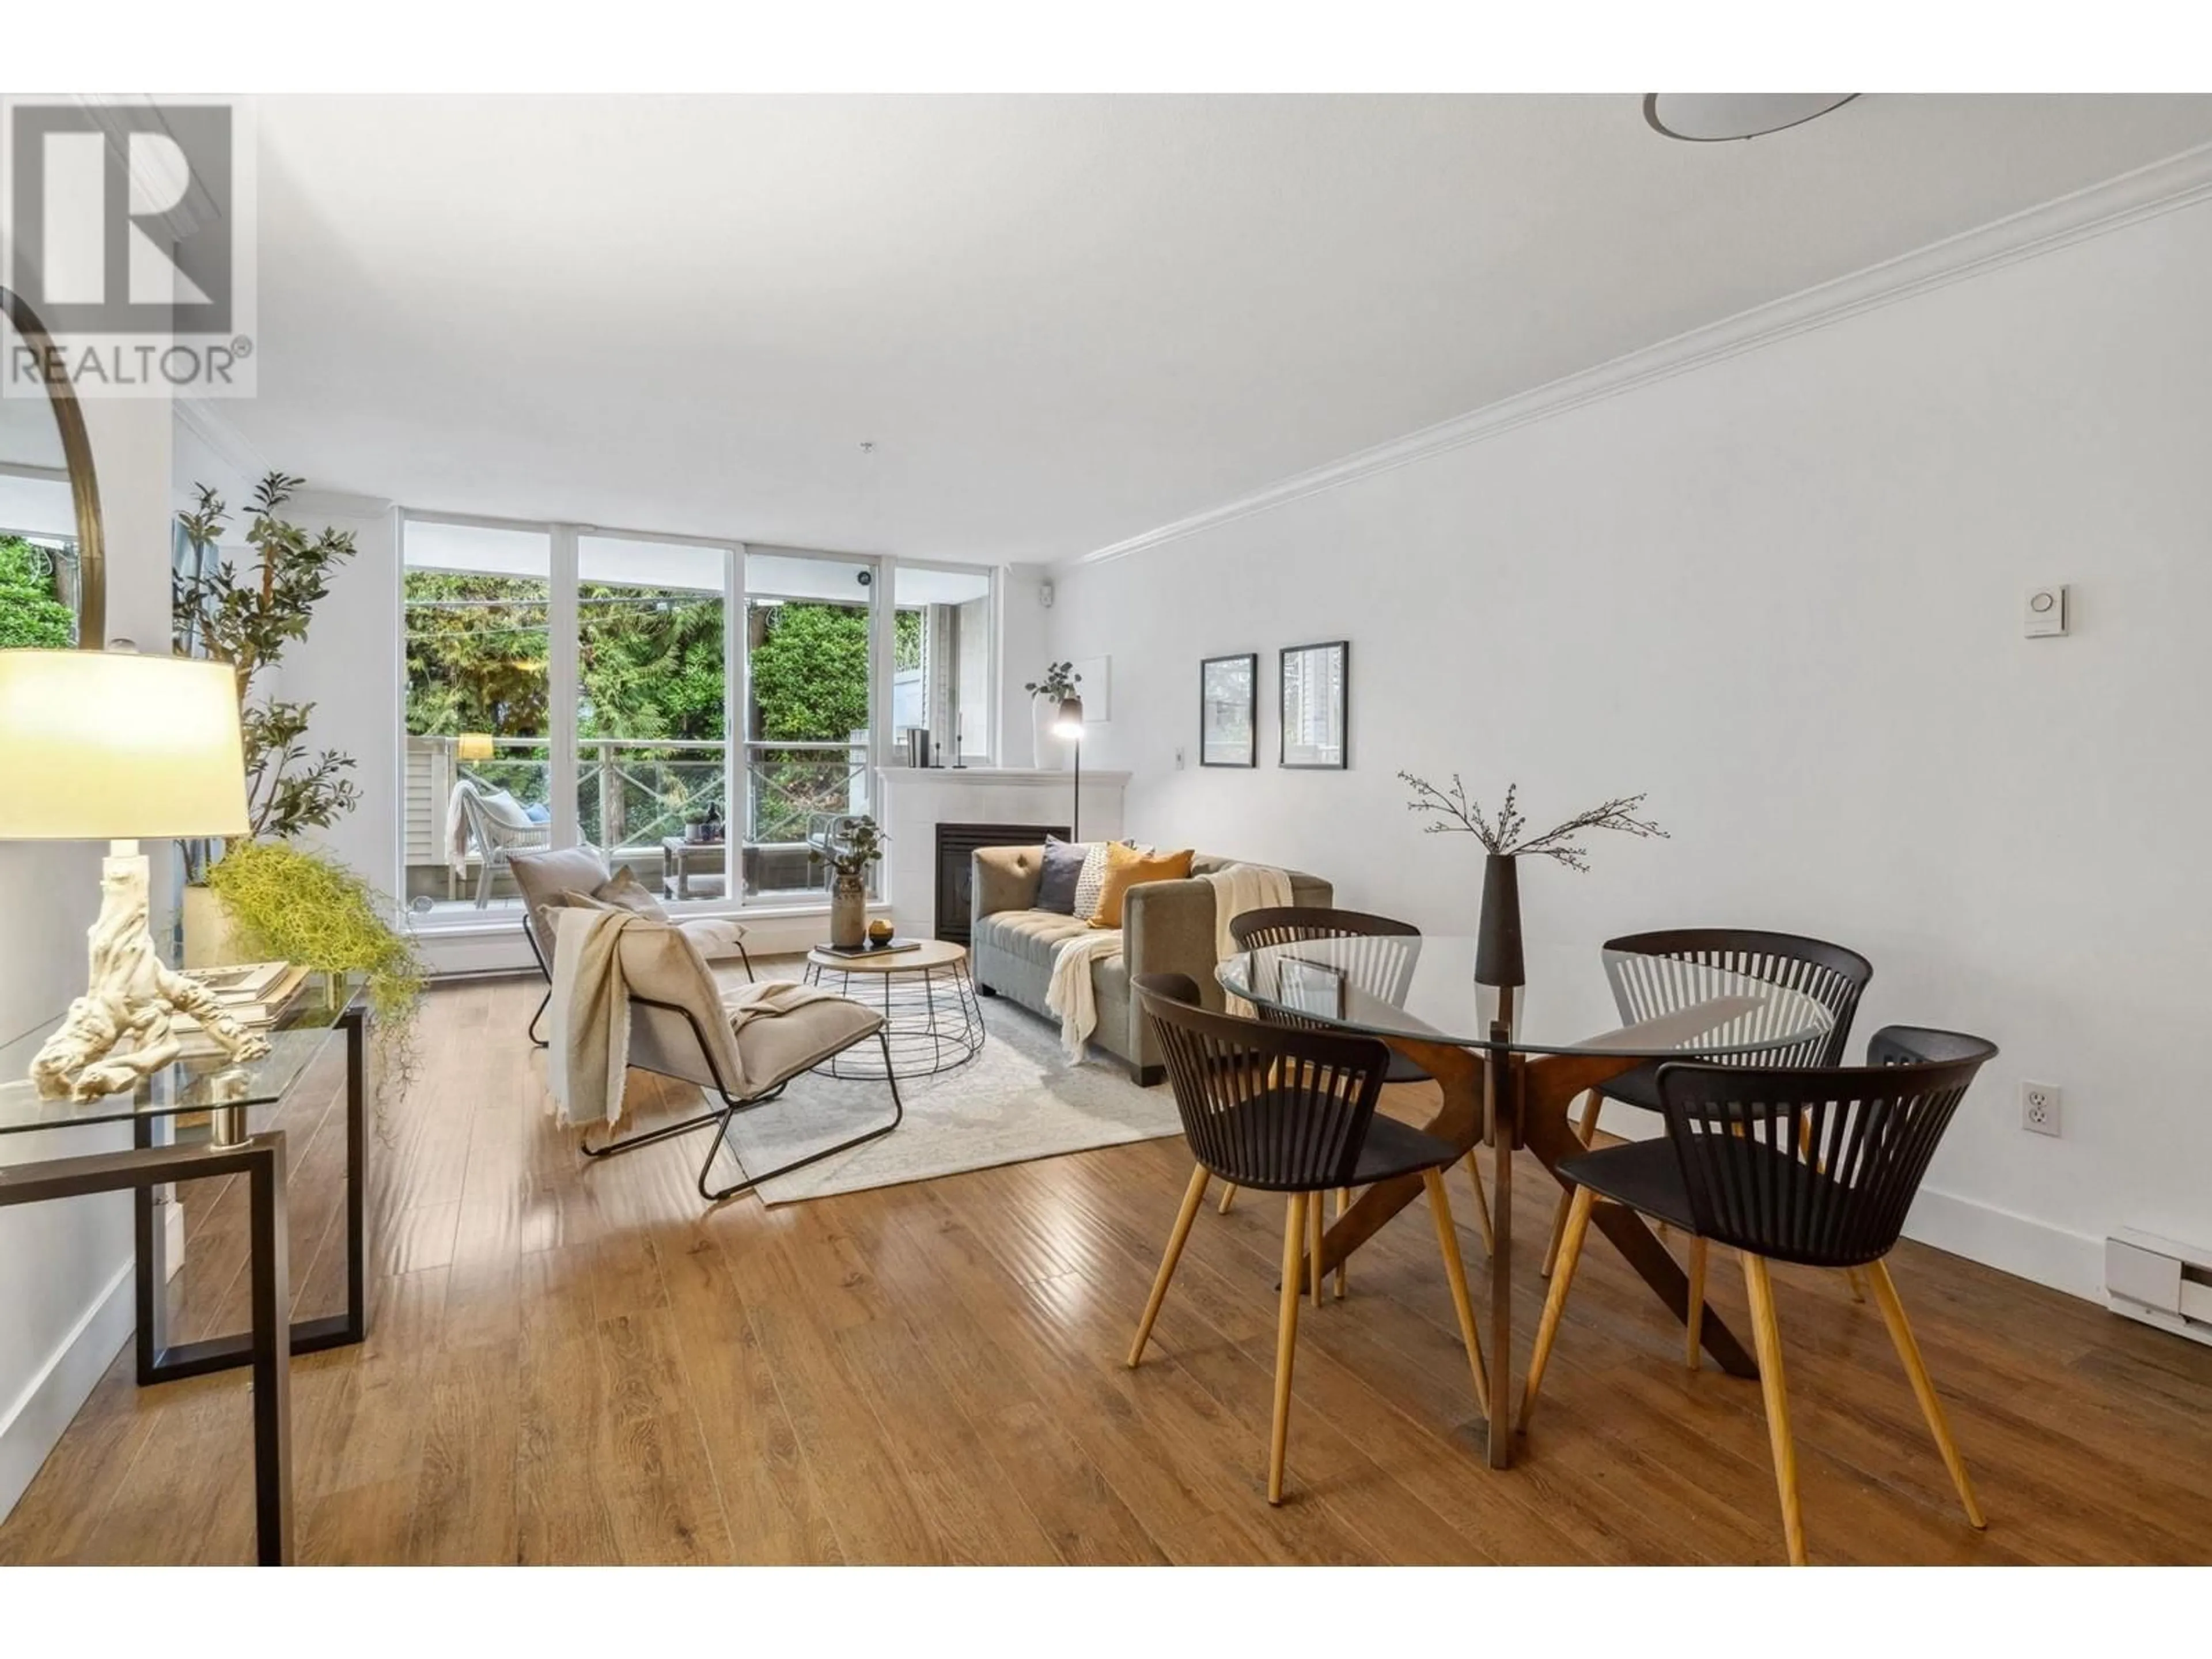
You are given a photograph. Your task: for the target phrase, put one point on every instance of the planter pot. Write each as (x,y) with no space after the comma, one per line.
(1497,940)
(209,940)
(849,912)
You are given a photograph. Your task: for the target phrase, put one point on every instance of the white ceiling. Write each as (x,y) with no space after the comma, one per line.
(1061,321)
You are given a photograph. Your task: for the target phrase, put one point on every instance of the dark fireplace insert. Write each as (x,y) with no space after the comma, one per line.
(955,870)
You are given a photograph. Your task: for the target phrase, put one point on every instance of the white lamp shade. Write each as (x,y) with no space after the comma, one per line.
(108,745)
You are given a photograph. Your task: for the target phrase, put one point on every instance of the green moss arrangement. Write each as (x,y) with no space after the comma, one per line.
(292,905)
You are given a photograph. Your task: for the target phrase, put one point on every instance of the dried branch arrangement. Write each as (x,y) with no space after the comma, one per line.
(1452,813)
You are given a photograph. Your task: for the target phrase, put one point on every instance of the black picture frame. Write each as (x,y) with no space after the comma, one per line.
(1207,702)
(1289,708)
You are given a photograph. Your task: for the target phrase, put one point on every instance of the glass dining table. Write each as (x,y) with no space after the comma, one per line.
(1510,1064)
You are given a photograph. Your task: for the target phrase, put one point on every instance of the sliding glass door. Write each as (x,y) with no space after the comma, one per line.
(652,708)
(710,714)
(811,697)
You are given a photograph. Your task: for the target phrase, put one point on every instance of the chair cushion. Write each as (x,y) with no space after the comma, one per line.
(1128,867)
(771,1050)
(1062,875)
(504,811)
(1030,936)
(1391,1148)
(714,936)
(624,891)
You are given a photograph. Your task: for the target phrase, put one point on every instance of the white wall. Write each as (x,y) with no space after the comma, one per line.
(64,1268)
(1783,593)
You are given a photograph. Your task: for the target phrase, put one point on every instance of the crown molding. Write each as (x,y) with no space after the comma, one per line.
(197,417)
(2178,181)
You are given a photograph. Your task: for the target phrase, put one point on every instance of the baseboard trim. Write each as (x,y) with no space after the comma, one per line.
(33,1424)
(2013,1243)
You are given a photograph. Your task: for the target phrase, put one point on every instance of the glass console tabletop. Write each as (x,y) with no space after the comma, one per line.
(1424,989)
(194,1083)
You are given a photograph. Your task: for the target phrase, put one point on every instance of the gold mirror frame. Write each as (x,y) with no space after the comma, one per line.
(84,485)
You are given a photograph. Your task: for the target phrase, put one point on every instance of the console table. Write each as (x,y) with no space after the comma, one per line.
(207,1106)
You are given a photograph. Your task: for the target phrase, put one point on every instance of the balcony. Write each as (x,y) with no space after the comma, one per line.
(633,796)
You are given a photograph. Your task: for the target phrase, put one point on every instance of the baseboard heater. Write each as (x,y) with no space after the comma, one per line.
(2160,1282)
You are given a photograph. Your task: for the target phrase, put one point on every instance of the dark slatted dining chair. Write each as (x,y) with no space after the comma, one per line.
(1658,972)
(1378,955)
(1286,1110)
(1815,1166)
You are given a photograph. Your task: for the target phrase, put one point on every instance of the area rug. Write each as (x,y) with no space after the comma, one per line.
(1019,1099)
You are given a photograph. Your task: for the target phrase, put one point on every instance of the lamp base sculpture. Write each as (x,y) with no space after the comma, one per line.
(131,993)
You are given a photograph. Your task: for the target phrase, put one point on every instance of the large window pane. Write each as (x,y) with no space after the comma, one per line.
(479,711)
(940,681)
(806,715)
(651,710)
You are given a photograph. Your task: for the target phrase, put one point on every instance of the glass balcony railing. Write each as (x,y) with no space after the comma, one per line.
(632,795)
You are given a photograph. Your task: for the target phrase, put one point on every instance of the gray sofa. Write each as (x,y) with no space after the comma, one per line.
(1166,927)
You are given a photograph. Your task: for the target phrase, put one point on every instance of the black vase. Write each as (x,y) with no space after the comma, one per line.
(1498,940)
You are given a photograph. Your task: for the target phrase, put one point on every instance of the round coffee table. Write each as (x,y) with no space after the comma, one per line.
(933,1021)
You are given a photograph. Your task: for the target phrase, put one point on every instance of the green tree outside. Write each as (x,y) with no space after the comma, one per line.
(30,615)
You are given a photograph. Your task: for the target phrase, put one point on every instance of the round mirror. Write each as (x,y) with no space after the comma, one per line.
(53,586)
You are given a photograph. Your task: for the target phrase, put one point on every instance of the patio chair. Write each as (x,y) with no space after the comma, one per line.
(496,836)
(681,1028)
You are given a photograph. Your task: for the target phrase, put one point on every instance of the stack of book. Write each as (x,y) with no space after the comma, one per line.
(253,994)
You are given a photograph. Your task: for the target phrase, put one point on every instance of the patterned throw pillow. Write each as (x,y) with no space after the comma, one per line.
(1093,880)
(1064,862)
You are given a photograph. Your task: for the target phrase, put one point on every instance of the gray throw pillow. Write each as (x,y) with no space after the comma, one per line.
(1063,870)
(625,891)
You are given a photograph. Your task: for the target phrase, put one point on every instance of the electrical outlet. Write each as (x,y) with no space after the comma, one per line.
(2039,1107)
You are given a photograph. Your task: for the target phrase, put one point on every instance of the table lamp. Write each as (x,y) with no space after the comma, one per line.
(1069,725)
(115,747)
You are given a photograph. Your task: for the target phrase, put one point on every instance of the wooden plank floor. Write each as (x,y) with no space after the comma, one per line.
(585,1365)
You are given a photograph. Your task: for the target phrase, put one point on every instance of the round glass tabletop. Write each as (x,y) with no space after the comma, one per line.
(1424,989)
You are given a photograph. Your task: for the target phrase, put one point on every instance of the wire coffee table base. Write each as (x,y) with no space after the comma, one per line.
(933,1019)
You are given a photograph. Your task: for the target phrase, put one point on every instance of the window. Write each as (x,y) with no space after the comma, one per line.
(707,713)
(479,714)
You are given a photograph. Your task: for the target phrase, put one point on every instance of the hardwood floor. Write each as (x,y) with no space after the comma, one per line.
(585,1365)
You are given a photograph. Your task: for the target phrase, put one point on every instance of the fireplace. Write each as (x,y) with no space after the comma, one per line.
(955,869)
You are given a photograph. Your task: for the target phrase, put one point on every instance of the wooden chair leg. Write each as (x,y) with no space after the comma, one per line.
(1456,1276)
(1343,1278)
(1315,1220)
(1193,1194)
(1228,1196)
(1482,1207)
(1696,1338)
(1286,1339)
(1767,1338)
(1555,1301)
(1908,1350)
(1585,1129)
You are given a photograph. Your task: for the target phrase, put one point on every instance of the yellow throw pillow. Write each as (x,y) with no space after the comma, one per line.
(1126,867)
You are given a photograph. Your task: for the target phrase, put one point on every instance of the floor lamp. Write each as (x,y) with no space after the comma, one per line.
(1069,725)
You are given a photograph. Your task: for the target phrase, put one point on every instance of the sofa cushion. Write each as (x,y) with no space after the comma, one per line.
(1063,874)
(1125,867)
(1030,936)
(1093,880)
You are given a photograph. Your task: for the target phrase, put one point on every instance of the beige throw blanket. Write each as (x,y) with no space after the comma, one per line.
(589,1054)
(1238,888)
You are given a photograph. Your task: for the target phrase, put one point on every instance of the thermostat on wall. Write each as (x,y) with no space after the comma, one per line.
(2046,611)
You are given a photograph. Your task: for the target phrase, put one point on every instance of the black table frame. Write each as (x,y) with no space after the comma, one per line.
(160,1360)
(261,1159)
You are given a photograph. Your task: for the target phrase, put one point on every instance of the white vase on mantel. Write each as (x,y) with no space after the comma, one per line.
(1053,752)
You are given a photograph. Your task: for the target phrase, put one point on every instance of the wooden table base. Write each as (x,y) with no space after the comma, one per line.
(1521,1100)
